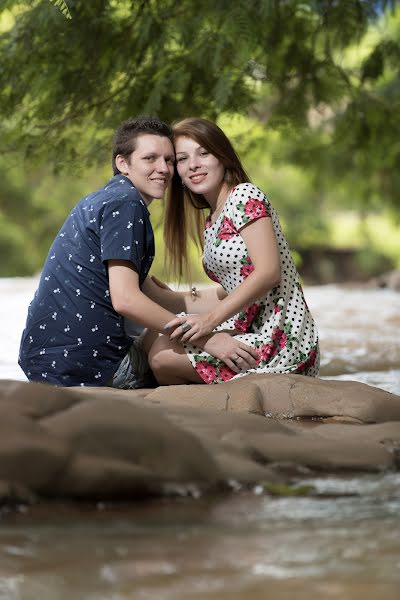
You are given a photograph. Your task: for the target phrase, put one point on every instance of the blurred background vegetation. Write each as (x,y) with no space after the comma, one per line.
(309,91)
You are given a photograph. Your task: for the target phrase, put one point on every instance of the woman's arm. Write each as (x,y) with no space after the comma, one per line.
(262,247)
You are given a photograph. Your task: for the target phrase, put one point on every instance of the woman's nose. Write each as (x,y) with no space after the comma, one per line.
(193,162)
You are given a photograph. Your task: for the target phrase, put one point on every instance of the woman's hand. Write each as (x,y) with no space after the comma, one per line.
(189,328)
(237,355)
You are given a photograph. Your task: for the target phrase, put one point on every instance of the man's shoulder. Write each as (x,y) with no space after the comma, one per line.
(118,189)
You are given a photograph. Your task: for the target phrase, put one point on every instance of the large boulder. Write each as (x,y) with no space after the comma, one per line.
(102,444)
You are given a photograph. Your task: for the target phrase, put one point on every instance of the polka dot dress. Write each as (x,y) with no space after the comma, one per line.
(279,325)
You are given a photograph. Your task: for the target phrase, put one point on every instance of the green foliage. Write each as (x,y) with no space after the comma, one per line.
(316,84)
(373,262)
(18,247)
(131,57)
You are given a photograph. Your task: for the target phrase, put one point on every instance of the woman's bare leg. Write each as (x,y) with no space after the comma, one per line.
(170,364)
(147,339)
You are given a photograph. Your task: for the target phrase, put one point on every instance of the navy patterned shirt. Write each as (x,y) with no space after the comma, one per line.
(73,336)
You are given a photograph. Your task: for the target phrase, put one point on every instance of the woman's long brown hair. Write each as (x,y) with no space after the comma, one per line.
(184,215)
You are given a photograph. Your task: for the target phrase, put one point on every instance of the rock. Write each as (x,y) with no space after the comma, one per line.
(105,444)
(389,280)
(15,493)
(290,396)
(287,397)
(40,401)
(28,454)
(133,444)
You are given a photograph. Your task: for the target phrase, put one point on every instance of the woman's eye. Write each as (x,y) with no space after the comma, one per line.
(204,153)
(181,158)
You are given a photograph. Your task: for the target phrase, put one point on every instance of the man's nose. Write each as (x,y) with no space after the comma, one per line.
(162,165)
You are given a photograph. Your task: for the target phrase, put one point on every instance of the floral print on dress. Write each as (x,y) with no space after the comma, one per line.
(210,274)
(225,232)
(211,370)
(278,324)
(307,361)
(247,267)
(246,317)
(252,209)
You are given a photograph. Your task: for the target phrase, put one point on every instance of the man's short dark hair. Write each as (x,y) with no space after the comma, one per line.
(126,134)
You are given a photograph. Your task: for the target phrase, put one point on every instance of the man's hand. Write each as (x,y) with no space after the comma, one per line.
(234,353)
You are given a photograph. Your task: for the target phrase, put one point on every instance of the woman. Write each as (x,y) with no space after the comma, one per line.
(259,300)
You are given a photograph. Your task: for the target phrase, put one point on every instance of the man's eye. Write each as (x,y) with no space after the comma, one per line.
(181,158)
(149,158)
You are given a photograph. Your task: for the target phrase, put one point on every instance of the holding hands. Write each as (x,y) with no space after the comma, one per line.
(189,327)
(231,351)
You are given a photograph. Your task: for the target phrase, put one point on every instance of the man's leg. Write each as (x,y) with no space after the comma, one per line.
(134,371)
(170,363)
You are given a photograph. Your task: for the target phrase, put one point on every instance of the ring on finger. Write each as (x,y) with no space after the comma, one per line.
(185,327)
(234,357)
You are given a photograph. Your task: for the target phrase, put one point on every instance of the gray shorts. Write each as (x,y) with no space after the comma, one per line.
(134,372)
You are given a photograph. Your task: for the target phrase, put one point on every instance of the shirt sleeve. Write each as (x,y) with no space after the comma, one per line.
(247,203)
(123,232)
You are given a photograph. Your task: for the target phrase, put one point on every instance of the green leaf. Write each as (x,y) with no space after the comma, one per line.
(62,5)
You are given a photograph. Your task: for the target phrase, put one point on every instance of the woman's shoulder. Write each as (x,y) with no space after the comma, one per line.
(247,190)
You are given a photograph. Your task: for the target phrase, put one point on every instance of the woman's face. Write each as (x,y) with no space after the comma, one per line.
(200,171)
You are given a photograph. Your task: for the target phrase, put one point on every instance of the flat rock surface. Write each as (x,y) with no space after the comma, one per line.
(102,444)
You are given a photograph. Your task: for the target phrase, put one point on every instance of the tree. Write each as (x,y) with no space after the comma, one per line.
(324,74)
(73,81)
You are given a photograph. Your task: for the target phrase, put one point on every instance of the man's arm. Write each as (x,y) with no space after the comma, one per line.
(129,301)
(204,301)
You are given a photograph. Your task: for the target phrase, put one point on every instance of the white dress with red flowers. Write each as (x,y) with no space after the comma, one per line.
(279,325)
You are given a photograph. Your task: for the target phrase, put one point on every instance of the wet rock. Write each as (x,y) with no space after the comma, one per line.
(105,444)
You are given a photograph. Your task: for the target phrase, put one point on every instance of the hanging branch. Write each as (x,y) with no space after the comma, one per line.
(63,8)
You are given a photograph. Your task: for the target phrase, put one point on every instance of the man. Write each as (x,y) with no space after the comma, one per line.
(95,269)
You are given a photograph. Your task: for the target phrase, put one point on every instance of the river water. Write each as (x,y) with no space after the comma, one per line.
(343,544)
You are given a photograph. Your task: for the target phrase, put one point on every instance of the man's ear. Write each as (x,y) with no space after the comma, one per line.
(121,164)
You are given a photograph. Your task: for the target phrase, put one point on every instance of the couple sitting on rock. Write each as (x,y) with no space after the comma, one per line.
(96,280)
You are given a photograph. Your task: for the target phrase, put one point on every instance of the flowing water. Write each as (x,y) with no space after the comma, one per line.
(343,544)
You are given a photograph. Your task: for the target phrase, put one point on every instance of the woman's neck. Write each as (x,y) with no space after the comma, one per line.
(217,200)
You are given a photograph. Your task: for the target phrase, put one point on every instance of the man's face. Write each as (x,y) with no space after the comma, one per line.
(150,166)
